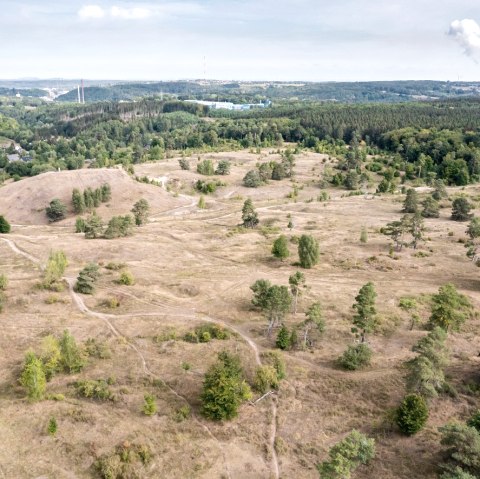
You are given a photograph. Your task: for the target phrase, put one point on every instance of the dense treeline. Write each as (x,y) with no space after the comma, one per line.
(432,139)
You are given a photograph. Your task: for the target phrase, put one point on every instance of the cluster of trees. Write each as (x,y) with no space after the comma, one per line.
(90,199)
(117,226)
(56,355)
(206,167)
(271,170)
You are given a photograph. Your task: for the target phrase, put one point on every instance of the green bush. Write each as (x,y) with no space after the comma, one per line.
(3,282)
(87,278)
(4,225)
(412,414)
(283,340)
(94,389)
(56,211)
(52,426)
(149,405)
(266,378)
(347,455)
(355,357)
(126,278)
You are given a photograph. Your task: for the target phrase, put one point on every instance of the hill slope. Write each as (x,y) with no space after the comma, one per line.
(38,191)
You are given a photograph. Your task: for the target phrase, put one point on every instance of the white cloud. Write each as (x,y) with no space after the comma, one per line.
(135,13)
(467,33)
(91,11)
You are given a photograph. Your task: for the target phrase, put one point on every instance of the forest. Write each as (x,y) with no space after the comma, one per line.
(424,140)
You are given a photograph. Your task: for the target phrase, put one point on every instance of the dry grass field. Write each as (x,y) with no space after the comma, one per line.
(194,265)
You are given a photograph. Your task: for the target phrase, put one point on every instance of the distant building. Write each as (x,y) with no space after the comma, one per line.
(226,105)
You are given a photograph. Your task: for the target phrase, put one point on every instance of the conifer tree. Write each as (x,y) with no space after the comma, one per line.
(364,319)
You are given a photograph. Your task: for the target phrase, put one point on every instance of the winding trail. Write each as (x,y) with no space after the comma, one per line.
(83,308)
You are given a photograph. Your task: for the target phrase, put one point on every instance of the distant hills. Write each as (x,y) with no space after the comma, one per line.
(346,92)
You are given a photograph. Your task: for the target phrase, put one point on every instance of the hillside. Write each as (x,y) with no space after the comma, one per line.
(24,201)
(195,270)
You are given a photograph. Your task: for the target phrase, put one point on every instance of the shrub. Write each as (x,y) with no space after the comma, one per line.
(461,208)
(140,211)
(474,421)
(449,308)
(412,414)
(56,265)
(182,413)
(275,359)
(355,357)
(4,225)
(149,405)
(56,211)
(94,389)
(126,278)
(252,179)
(184,164)
(52,426)
(347,455)
(3,282)
(266,378)
(93,226)
(280,248)
(206,168)
(80,225)
(119,226)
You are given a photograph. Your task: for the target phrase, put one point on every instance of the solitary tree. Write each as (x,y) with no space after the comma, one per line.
(4,225)
(56,265)
(296,282)
(223,168)
(249,215)
(224,388)
(396,231)
(33,377)
(280,248)
(56,211)
(278,303)
(461,208)
(449,308)
(314,320)
(140,211)
(364,319)
(308,251)
(87,278)
(412,414)
(71,357)
(416,228)
(410,205)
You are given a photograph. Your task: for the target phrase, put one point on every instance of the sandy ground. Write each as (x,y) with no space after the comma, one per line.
(194,265)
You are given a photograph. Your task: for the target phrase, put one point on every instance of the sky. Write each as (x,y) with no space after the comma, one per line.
(276,40)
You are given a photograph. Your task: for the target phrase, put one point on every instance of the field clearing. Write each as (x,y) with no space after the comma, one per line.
(191,266)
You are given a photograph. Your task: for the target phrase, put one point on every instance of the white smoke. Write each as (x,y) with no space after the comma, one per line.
(467,33)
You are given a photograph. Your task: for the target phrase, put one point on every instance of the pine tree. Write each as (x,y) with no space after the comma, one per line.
(56,211)
(449,308)
(283,338)
(410,204)
(86,279)
(431,208)
(364,319)
(461,208)
(93,226)
(412,414)
(308,251)
(249,215)
(78,202)
(140,211)
(106,192)
(4,225)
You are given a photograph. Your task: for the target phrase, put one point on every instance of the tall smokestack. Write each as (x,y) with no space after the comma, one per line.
(83,93)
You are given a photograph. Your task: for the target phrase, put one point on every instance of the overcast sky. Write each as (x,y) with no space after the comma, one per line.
(343,40)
